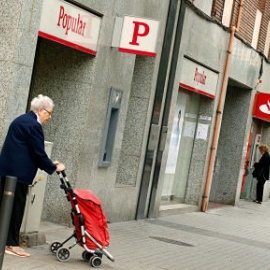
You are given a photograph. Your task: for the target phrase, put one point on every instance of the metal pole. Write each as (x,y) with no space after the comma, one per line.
(5,213)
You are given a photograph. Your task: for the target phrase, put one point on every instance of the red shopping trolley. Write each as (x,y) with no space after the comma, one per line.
(91,230)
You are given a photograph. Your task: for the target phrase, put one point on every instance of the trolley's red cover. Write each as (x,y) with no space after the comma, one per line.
(94,218)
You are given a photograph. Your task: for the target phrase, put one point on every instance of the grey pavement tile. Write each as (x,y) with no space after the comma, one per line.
(227,238)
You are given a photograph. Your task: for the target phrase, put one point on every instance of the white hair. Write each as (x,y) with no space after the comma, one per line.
(40,102)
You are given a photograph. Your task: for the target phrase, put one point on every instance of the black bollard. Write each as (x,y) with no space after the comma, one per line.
(5,213)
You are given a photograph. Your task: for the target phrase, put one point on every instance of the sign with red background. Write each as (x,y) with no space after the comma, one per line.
(139,36)
(261,107)
(70,25)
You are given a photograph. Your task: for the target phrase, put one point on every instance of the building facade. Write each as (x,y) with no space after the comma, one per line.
(203,55)
(80,85)
(135,129)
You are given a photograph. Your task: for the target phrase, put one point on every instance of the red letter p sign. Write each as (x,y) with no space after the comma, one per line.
(137,33)
(139,36)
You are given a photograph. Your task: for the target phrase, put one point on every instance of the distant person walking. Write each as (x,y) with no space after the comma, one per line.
(261,171)
(22,154)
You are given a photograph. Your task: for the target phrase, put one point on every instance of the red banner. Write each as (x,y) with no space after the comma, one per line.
(261,107)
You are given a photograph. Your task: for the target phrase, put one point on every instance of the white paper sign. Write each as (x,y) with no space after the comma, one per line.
(189,129)
(70,25)
(202,131)
(191,115)
(205,118)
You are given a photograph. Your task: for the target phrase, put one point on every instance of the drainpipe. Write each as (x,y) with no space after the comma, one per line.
(239,15)
(219,112)
(217,124)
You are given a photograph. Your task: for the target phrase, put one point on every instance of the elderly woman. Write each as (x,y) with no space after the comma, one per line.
(22,154)
(261,171)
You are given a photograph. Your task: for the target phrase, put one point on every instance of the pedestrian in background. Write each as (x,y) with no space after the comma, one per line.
(261,171)
(22,154)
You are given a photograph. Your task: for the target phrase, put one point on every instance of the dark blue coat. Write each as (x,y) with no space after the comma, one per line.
(23,151)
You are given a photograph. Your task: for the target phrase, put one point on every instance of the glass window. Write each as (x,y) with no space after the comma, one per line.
(181,147)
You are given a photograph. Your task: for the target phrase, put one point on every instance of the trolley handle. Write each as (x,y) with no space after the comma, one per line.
(63,173)
(63,179)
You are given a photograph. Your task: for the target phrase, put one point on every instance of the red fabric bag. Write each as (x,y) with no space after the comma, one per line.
(94,218)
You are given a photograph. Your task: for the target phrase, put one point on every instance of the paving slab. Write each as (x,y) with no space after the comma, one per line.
(225,238)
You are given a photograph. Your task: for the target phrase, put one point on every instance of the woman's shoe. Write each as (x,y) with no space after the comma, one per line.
(17,251)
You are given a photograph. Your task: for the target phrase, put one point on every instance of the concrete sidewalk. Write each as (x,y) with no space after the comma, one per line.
(223,238)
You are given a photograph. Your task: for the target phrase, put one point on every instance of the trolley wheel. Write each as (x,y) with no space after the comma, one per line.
(63,254)
(54,246)
(87,256)
(95,261)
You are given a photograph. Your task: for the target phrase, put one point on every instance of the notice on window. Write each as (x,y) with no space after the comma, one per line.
(189,129)
(202,131)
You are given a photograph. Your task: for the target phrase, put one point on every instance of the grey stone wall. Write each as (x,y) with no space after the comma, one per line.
(81,95)
(244,64)
(197,164)
(118,185)
(135,122)
(266,133)
(230,146)
(66,76)
(264,86)
(19,26)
